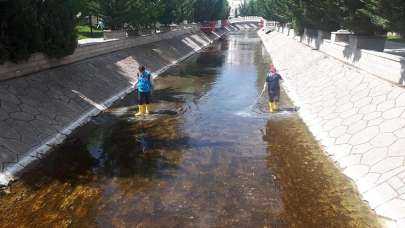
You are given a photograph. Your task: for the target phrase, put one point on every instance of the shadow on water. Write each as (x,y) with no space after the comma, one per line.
(119,150)
(62,166)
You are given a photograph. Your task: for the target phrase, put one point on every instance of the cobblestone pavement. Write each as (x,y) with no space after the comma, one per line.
(39,110)
(359,118)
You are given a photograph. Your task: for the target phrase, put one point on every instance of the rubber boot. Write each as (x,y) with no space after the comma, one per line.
(271,107)
(141,110)
(275,106)
(147,109)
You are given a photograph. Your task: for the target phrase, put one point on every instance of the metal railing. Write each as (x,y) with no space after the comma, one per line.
(255,19)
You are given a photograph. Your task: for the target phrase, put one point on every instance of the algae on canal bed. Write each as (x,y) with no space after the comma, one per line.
(196,163)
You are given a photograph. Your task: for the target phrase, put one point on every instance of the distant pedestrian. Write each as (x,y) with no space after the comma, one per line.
(145,87)
(100,25)
(273,81)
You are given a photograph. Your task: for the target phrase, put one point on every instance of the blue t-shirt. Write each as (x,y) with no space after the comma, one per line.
(144,82)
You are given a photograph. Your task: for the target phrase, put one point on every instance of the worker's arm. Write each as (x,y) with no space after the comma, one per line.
(281,80)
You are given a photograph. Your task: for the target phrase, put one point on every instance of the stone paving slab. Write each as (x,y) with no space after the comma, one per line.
(38,111)
(360,119)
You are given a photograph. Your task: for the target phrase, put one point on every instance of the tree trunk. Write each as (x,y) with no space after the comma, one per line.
(90,24)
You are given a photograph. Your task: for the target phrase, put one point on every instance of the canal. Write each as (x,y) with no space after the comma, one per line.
(209,156)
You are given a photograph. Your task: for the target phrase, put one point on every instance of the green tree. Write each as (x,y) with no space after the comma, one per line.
(276,10)
(314,14)
(203,10)
(58,24)
(88,8)
(153,12)
(115,12)
(177,11)
(391,15)
(184,10)
(357,15)
(169,14)
(29,26)
(210,10)
(221,10)
(249,8)
(143,14)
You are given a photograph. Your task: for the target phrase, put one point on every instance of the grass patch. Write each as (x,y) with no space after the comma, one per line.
(83,32)
(396,38)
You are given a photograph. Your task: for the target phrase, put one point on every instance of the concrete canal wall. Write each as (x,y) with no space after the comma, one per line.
(358,114)
(38,61)
(38,110)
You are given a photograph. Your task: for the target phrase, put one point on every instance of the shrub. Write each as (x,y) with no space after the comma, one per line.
(29,26)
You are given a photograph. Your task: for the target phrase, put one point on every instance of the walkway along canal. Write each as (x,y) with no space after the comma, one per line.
(203,159)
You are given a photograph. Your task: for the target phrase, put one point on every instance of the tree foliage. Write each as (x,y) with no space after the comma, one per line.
(144,13)
(360,16)
(177,11)
(29,26)
(115,12)
(141,13)
(391,14)
(210,10)
(184,10)
(48,26)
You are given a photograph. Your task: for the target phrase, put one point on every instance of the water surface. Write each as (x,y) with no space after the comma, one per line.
(210,156)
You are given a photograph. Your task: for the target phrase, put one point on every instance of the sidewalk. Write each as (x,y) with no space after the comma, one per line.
(91,40)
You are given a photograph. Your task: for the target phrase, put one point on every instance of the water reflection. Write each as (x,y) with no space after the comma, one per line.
(312,200)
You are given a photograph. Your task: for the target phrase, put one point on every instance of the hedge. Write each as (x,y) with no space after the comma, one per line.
(30,26)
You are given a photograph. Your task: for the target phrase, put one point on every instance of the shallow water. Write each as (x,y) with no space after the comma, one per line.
(209,156)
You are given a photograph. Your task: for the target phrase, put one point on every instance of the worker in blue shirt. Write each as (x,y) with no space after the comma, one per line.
(273,81)
(145,87)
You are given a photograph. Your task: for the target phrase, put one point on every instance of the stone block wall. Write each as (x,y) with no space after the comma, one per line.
(386,66)
(38,62)
(108,34)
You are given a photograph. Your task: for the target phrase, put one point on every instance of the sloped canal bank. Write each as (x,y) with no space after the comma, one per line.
(204,159)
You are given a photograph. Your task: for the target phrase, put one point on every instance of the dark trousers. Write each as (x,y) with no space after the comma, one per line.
(143,98)
(274,95)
